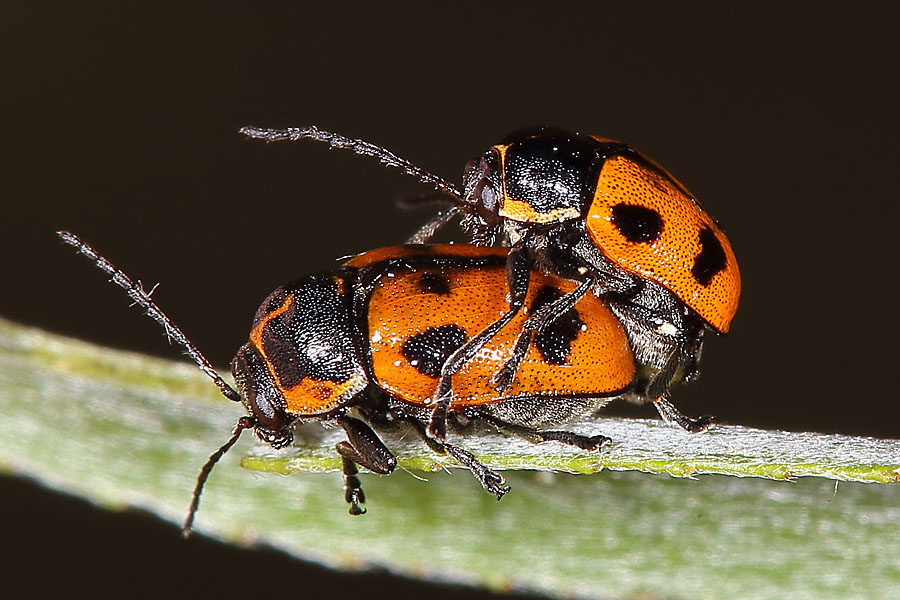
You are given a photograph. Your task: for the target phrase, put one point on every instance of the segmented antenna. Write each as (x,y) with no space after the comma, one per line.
(239,427)
(143,299)
(363,147)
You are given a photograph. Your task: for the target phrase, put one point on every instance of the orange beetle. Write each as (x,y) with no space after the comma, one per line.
(372,337)
(600,212)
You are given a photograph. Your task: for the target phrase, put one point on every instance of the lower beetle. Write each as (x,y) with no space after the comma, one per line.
(363,347)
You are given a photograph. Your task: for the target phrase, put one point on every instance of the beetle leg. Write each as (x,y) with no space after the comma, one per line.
(371,453)
(437,426)
(518,274)
(503,378)
(658,387)
(353,492)
(658,391)
(443,216)
(537,436)
(365,449)
(670,414)
(584,442)
(489,479)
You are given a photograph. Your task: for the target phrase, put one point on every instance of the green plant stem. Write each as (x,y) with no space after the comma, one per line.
(127,430)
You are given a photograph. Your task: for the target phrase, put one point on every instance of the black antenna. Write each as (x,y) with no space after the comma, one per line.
(243,423)
(363,147)
(136,292)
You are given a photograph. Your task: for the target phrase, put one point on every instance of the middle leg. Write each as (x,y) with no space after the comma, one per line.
(538,436)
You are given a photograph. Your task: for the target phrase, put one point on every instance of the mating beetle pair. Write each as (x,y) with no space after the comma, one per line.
(611,262)
(598,212)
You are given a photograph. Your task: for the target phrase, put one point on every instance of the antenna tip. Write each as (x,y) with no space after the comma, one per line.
(253,132)
(69,238)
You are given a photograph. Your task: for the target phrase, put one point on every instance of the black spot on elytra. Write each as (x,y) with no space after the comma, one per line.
(711,259)
(429,350)
(637,223)
(555,341)
(434,283)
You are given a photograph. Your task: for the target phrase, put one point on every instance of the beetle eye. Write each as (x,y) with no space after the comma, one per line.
(481,190)
(254,383)
(473,175)
(487,199)
(486,203)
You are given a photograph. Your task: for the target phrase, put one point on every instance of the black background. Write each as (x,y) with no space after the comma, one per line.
(120,124)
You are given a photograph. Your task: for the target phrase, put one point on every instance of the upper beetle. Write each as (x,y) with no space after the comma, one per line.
(363,346)
(595,211)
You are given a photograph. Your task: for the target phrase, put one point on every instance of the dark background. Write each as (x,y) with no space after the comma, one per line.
(120,124)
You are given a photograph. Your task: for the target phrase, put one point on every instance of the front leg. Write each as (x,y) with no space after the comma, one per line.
(536,323)
(518,274)
(365,449)
(353,492)
(441,218)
